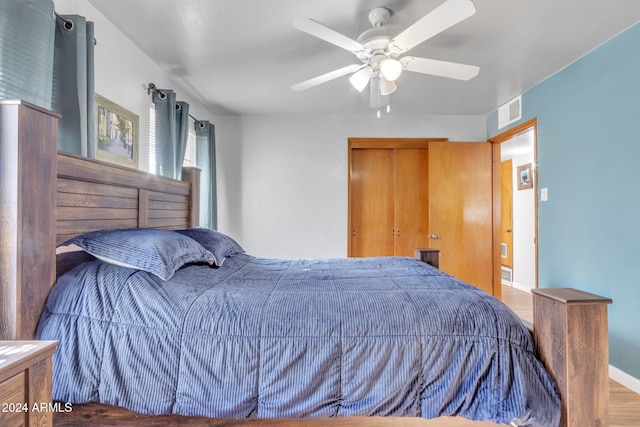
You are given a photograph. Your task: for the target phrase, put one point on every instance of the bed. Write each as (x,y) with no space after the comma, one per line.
(90,195)
(269,338)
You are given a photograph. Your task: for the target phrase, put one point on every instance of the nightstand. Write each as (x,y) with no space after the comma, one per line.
(25,383)
(430,256)
(574,324)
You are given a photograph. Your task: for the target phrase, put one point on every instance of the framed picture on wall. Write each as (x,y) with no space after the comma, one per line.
(117,140)
(525,179)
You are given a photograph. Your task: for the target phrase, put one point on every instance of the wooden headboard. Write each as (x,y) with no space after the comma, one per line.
(49,197)
(93,195)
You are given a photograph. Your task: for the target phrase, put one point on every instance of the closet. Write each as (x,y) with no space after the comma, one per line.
(423,193)
(389,201)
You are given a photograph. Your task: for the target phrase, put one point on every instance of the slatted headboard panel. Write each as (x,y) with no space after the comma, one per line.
(94,195)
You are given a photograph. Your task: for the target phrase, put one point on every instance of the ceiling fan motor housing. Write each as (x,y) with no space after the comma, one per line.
(376,39)
(379,16)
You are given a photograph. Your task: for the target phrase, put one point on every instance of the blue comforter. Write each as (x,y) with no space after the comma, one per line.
(274,338)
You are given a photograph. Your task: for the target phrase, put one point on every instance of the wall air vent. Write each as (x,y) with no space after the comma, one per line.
(510,112)
(506,276)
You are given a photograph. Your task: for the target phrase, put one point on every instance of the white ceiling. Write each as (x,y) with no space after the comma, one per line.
(241,56)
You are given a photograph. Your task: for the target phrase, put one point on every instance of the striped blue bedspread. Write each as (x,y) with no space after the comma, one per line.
(274,338)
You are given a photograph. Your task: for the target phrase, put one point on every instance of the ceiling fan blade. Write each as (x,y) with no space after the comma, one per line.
(331,75)
(376,99)
(451,70)
(444,16)
(316,29)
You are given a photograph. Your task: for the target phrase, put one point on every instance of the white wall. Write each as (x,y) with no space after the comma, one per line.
(123,71)
(229,173)
(524,232)
(285,177)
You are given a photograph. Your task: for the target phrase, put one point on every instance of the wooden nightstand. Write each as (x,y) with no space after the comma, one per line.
(25,383)
(576,350)
(430,256)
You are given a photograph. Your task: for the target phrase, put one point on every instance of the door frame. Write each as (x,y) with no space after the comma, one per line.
(390,143)
(497,214)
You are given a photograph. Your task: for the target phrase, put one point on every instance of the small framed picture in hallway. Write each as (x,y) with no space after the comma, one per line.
(525,180)
(117,129)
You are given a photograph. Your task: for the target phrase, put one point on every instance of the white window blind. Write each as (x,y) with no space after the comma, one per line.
(152,138)
(190,152)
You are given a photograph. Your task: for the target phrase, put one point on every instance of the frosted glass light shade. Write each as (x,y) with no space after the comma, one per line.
(390,69)
(387,87)
(360,79)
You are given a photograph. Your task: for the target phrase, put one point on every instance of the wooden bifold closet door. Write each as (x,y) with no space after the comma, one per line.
(389,201)
(411,200)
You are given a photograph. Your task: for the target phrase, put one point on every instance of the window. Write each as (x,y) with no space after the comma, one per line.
(190,152)
(152,138)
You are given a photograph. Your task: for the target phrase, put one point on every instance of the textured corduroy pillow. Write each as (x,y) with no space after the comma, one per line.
(160,252)
(219,244)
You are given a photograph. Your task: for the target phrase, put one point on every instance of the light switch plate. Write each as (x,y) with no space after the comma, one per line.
(544,194)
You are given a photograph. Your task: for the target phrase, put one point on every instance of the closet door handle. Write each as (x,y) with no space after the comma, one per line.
(433,236)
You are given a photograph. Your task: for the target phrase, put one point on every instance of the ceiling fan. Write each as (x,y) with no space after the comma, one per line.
(381,53)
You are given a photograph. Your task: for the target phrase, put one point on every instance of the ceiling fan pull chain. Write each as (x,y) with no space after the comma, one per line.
(378,103)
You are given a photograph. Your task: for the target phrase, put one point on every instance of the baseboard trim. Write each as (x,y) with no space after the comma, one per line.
(629,381)
(521,287)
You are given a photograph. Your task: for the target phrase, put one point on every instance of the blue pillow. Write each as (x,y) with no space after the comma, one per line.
(220,245)
(160,252)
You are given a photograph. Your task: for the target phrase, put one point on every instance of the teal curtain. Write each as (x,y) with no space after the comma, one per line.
(27,30)
(73,85)
(206,162)
(172,129)
(182,134)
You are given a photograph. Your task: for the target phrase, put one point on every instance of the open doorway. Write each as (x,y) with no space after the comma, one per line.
(517,236)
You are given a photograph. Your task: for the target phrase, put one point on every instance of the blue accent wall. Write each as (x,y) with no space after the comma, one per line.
(588,117)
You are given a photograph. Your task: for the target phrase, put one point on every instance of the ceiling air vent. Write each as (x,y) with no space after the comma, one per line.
(510,112)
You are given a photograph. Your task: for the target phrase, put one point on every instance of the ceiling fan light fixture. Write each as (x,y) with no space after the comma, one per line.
(387,87)
(360,79)
(390,69)
(381,50)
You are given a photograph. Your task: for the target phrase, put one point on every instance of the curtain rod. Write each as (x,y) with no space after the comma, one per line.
(68,23)
(153,88)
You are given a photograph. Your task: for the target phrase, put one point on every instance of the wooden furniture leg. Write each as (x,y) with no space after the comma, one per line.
(570,332)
